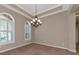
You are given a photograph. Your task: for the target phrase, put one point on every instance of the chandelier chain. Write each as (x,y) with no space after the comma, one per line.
(35,9)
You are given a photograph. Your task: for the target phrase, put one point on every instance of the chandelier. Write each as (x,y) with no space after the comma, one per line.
(36,22)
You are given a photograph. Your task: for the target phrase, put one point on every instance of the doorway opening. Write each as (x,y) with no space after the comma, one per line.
(77,32)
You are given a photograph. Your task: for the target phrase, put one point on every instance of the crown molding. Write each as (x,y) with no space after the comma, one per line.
(23,9)
(40,11)
(17,11)
(52,13)
(64,8)
(50,9)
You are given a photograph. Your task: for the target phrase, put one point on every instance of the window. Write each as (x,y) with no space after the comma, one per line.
(6,29)
(27,30)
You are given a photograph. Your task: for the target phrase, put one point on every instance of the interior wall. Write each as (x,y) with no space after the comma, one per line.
(53,31)
(72,32)
(57,31)
(19,30)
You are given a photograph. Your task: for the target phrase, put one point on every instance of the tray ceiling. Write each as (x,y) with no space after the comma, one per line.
(30,8)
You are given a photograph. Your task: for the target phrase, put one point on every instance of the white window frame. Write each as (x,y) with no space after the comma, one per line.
(13,29)
(29,30)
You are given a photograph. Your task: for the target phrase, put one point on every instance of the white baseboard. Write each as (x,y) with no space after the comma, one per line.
(54,46)
(71,50)
(36,43)
(15,47)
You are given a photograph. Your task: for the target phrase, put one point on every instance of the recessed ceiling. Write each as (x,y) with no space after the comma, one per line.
(30,8)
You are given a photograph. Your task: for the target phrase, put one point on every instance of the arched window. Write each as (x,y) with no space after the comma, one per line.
(6,28)
(27,30)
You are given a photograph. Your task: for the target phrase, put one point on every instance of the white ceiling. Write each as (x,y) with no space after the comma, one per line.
(30,8)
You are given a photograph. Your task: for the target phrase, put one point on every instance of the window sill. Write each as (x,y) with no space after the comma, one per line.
(6,43)
(27,39)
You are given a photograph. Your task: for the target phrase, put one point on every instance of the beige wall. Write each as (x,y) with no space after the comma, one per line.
(57,31)
(72,32)
(53,31)
(19,29)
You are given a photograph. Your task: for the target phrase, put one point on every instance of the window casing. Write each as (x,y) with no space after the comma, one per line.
(6,30)
(27,30)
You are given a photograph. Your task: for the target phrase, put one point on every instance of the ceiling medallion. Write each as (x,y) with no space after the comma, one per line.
(36,22)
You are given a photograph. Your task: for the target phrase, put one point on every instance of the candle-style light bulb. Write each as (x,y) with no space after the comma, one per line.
(31,21)
(38,20)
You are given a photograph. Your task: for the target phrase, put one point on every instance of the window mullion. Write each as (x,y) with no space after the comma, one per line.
(7,31)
